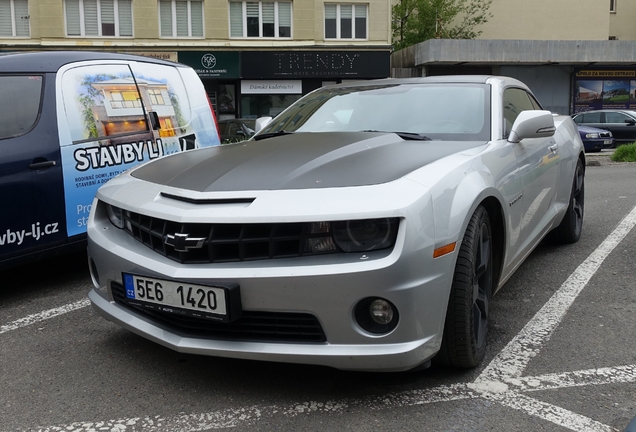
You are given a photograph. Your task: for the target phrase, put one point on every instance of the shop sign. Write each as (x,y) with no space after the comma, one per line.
(605,89)
(212,64)
(160,55)
(271,87)
(315,64)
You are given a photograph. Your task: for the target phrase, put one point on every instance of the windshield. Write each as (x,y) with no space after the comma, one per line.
(441,111)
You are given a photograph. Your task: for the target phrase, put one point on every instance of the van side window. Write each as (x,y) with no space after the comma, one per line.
(22,93)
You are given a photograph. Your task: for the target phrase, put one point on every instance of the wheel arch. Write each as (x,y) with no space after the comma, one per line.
(498,233)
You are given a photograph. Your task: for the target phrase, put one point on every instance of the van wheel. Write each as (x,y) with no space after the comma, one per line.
(569,230)
(466,324)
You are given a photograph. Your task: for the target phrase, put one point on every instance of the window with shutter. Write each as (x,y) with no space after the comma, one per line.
(236,19)
(346,21)
(95,18)
(14,18)
(284,19)
(260,19)
(180,18)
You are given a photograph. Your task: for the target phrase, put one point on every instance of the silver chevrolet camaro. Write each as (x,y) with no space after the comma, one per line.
(366,227)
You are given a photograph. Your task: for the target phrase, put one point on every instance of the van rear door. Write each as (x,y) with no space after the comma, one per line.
(115,115)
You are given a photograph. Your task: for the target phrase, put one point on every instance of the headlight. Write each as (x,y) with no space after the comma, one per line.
(592,135)
(115,214)
(365,235)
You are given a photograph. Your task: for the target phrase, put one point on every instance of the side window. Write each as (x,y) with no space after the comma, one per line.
(591,118)
(535,103)
(614,117)
(514,101)
(22,93)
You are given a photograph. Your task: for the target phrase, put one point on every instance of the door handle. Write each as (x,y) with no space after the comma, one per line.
(42,165)
(554,148)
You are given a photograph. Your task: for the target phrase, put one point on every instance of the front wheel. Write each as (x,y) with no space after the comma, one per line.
(467,315)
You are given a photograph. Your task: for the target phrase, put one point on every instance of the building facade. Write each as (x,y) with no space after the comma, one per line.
(565,51)
(254,57)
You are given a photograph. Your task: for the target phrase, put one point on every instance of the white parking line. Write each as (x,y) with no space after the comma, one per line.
(501,380)
(47,314)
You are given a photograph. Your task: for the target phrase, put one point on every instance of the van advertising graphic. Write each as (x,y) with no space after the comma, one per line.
(115,116)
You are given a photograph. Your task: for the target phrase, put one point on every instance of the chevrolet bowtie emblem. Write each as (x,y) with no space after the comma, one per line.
(182,242)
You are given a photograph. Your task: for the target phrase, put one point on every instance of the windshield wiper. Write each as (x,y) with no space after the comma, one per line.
(271,134)
(405,135)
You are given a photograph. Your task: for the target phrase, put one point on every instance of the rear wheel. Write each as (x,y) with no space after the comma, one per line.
(467,316)
(569,230)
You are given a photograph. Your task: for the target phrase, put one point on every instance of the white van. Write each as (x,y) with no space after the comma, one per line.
(73,120)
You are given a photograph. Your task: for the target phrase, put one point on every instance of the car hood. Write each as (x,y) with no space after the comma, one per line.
(298,161)
(588,129)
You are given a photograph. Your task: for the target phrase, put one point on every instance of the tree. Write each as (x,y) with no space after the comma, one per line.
(415,21)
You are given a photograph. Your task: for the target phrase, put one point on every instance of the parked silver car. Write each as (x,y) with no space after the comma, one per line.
(366,227)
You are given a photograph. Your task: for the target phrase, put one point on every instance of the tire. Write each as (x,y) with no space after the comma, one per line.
(569,230)
(467,315)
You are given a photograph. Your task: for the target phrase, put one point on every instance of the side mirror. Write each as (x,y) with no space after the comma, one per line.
(261,122)
(532,124)
(630,122)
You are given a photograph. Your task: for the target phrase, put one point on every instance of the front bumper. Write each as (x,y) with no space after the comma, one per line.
(328,287)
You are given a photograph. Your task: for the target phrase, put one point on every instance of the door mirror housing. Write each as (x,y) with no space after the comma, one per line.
(532,124)
(261,122)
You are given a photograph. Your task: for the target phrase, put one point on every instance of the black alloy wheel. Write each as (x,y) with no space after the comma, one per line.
(570,228)
(468,313)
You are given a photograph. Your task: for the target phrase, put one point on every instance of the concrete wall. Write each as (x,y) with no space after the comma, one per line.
(550,84)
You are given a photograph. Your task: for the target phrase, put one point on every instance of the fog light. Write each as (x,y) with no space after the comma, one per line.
(381,311)
(376,315)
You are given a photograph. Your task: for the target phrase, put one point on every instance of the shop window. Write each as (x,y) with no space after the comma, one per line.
(259,105)
(106,18)
(260,19)
(345,21)
(181,18)
(14,18)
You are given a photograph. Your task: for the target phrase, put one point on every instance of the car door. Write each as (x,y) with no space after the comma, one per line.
(32,215)
(622,125)
(538,162)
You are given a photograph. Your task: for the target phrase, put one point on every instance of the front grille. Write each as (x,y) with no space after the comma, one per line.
(604,134)
(224,242)
(252,326)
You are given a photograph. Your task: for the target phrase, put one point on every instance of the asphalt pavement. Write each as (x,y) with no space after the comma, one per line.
(561,354)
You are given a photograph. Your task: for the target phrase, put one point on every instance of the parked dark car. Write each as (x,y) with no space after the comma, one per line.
(595,139)
(234,130)
(622,123)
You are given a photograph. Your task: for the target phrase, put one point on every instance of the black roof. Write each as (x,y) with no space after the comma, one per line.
(51,61)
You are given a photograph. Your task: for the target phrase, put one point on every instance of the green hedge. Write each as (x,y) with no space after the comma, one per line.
(625,153)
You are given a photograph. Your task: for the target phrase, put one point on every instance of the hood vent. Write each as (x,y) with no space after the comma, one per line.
(209,200)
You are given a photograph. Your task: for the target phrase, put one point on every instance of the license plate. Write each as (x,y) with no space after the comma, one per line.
(607,142)
(176,297)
